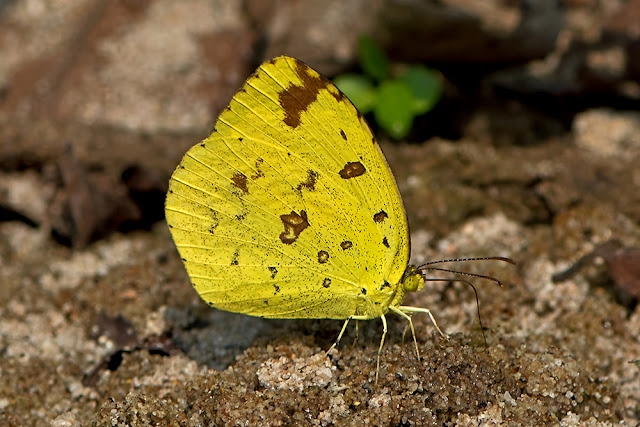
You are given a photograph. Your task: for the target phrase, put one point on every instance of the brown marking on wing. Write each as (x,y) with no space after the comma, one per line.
(323,257)
(352,170)
(240,181)
(310,182)
(293,225)
(380,216)
(258,173)
(273,271)
(295,99)
(234,257)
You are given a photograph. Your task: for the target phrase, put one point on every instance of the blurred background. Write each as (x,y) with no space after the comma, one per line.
(521,139)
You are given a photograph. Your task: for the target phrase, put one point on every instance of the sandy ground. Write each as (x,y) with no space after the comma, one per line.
(101,327)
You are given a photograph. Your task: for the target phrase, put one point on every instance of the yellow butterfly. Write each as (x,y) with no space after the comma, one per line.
(289,209)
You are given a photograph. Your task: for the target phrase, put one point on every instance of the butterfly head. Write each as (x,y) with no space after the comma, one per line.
(413,280)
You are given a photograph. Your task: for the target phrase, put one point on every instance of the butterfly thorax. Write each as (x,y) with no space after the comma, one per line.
(378,303)
(412,281)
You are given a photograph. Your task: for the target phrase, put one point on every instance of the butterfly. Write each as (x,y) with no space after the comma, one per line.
(290,210)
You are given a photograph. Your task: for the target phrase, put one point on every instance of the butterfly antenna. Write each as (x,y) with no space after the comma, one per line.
(426,267)
(484,337)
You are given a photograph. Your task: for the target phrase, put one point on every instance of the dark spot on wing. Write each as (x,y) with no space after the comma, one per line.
(323,256)
(273,271)
(326,283)
(352,170)
(234,258)
(380,216)
(385,285)
(346,245)
(214,221)
(240,182)
(295,99)
(310,182)
(344,135)
(385,242)
(364,291)
(277,288)
(258,173)
(294,224)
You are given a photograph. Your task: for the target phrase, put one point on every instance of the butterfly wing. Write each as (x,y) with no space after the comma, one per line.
(289,209)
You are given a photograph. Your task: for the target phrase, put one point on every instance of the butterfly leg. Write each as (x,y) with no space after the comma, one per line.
(413,331)
(407,310)
(344,328)
(384,334)
(404,333)
(355,340)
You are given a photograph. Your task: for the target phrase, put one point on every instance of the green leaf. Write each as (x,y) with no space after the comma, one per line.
(372,59)
(358,89)
(394,108)
(425,86)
